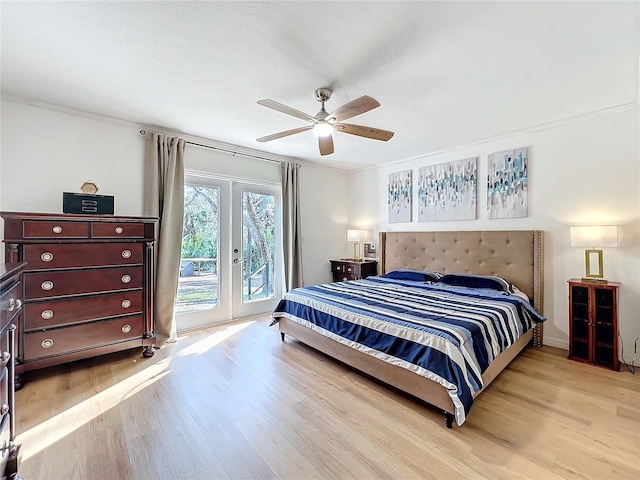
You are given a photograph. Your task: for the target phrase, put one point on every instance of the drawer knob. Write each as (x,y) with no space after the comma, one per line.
(6,356)
(46,256)
(14,304)
(47,314)
(126,253)
(126,303)
(126,328)
(4,409)
(57,229)
(47,343)
(126,278)
(119,230)
(47,285)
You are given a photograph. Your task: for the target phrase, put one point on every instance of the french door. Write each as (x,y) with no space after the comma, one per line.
(231,264)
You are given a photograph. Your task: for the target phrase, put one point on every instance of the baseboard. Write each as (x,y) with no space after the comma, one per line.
(554,342)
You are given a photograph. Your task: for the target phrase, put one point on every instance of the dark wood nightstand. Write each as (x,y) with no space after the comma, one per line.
(349,269)
(593,323)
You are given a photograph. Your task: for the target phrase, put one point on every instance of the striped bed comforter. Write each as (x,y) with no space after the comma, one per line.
(447,334)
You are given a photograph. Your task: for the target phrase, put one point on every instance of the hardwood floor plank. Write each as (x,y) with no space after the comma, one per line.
(235,401)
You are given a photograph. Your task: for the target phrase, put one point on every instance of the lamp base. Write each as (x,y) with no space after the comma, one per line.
(594,280)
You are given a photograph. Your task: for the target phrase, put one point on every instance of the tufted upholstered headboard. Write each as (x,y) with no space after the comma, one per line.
(516,255)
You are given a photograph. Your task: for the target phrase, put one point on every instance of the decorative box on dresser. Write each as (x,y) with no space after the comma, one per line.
(88,285)
(348,269)
(593,323)
(10,311)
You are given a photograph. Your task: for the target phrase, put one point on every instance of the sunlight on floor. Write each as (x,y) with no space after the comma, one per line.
(50,431)
(214,339)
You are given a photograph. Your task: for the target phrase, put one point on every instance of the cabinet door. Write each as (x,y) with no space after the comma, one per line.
(580,324)
(604,327)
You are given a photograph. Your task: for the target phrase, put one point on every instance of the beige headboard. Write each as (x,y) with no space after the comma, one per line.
(516,255)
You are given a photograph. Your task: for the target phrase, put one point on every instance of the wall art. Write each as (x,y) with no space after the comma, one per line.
(507,184)
(400,197)
(447,191)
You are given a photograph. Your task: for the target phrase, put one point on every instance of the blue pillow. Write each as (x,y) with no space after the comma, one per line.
(415,275)
(479,281)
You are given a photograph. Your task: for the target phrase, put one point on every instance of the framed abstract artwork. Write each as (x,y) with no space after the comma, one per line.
(447,191)
(400,191)
(507,184)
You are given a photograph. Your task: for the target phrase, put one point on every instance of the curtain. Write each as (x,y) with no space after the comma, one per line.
(291,225)
(164,198)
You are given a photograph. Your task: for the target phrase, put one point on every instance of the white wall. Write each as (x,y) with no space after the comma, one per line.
(583,172)
(46,152)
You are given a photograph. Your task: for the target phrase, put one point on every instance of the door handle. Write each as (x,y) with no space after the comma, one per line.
(238,260)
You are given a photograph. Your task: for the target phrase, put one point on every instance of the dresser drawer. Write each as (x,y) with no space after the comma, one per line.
(117,230)
(55,313)
(80,337)
(75,282)
(55,230)
(61,255)
(10,302)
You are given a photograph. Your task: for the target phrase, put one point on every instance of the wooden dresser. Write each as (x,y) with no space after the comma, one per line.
(88,285)
(10,311)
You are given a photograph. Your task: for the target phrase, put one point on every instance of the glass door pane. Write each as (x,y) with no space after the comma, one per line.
(257,249)
(203,284)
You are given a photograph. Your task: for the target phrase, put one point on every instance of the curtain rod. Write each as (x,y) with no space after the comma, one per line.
(143,132)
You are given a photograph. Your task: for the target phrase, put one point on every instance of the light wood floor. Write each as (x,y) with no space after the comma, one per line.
(236,402)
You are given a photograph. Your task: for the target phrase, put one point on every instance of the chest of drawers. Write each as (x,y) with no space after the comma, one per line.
(87,286)
(10,312)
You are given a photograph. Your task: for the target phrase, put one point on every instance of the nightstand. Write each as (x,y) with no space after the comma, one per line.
(350,269)
(593,323)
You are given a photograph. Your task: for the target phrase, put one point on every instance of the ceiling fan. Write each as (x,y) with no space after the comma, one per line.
(323,124)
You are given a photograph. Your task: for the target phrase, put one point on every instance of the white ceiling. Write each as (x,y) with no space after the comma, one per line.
(446,73)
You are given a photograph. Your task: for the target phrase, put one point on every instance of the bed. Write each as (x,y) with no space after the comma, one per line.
(346,309)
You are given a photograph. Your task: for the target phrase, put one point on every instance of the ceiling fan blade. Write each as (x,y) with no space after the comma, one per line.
(286,133)
(368,132)
(353,108)
(326,145)
(285,109)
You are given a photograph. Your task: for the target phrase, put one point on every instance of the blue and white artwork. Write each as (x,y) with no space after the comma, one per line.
(447,191)
(507,184)
(399,199)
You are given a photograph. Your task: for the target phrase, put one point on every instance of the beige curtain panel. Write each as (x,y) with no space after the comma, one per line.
(164,198)
(291,229)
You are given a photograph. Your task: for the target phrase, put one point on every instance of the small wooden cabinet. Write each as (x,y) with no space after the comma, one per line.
(352,269)
(87,286)
(593,323)
(10,312)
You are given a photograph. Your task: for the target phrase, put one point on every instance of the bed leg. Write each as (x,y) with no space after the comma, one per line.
(448,419)
(282,336)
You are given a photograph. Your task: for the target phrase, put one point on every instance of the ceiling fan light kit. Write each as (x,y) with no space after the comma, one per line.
(323,123)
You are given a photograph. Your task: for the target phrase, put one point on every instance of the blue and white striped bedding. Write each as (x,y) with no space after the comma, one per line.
(447,334)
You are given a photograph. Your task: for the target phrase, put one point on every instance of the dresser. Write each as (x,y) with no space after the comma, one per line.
(87,286)
(352,269)
(10,311)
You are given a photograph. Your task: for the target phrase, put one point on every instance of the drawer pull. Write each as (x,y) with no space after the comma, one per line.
(6,356)
(46,256)
(126,253)
(4,409)
(12,304)
(119,230)
(126,328)
(47,314)
(126,303)
(47,343)
(48,285)
(57,229)
(126,278)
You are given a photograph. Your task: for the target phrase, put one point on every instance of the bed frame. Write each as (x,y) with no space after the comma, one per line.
(516,255)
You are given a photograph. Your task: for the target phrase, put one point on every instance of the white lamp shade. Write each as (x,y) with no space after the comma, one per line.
(356,235)
(594,236)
